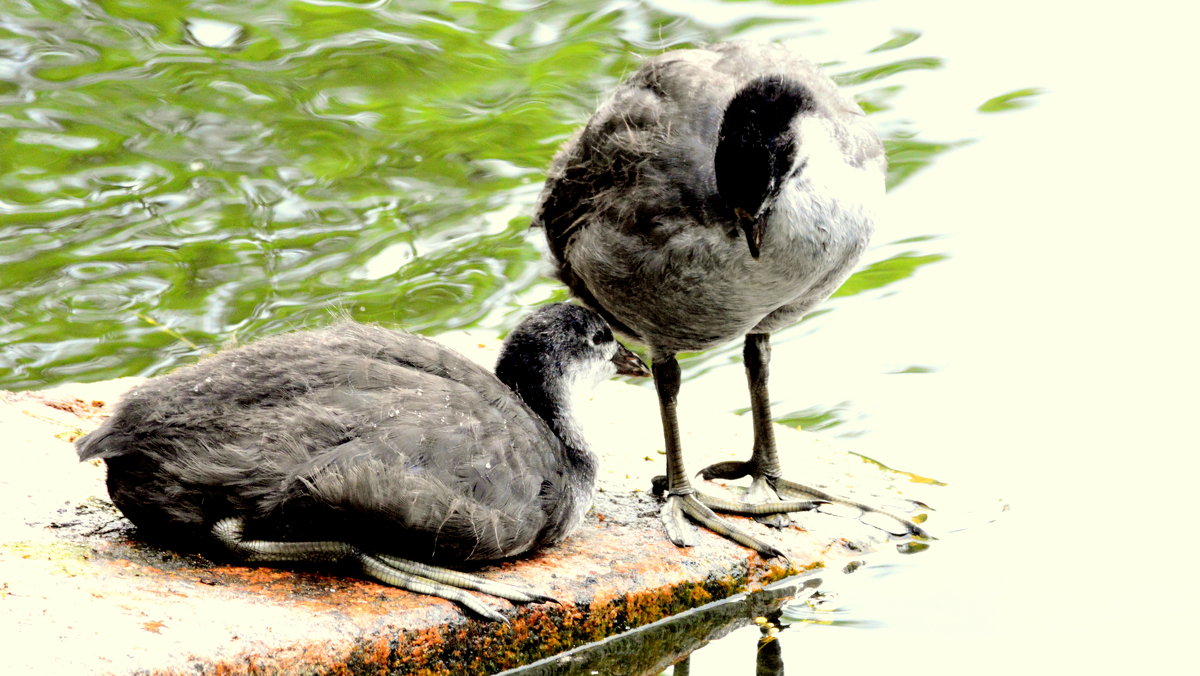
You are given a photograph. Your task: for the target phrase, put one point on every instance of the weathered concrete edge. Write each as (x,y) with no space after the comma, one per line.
(653,647)
(647,581)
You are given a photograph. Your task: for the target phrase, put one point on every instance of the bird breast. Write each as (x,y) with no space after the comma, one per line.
(697,286)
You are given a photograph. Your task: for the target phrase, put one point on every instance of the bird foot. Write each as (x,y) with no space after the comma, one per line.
(754,508)
(446,583)
(766,490)
(682,533)
(695,506)
(414,576)
(871,516)
(729,470)
(761,492)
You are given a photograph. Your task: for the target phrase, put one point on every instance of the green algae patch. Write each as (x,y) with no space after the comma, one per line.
(911,476)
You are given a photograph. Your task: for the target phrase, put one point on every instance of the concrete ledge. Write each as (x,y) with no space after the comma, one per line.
(79,593)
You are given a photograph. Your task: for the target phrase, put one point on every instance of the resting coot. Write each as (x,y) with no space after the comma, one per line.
(376,447)
(718,193)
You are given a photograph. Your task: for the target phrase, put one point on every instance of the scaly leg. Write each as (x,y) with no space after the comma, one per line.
(682,500)
(764,470)
(411,575)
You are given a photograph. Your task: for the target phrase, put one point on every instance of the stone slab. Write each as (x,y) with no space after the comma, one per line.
(79,594)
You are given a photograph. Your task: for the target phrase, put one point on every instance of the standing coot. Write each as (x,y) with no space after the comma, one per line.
(717,193)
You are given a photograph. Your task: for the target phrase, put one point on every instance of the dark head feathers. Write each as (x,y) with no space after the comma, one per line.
(756,145)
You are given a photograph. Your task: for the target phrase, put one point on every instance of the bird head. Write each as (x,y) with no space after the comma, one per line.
(756,150)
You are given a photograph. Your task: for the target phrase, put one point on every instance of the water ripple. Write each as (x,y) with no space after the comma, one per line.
(172,176)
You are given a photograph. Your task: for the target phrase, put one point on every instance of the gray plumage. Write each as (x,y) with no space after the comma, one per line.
(717,193)
(640,232)
(386,441)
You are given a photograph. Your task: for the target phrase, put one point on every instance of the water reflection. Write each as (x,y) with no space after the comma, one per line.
(173,179)
(846,600)
(768,656)
(717,638)
(668,644)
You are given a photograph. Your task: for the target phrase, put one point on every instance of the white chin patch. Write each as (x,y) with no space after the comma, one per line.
(583,381)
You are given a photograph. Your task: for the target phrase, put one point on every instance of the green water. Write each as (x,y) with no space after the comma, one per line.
(176,177)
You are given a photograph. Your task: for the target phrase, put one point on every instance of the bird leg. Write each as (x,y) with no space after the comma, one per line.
(757,356)
(683,500)
(414,576)
(764,470)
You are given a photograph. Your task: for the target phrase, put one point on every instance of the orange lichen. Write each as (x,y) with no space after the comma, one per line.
(610,580)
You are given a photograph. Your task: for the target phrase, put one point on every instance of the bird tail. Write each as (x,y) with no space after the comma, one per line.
(104,442)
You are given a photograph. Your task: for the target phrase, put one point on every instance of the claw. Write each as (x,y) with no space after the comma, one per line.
(728,470)
(658,485)
(678,529)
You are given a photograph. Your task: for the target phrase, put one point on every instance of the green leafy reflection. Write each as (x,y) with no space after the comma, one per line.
(175,177)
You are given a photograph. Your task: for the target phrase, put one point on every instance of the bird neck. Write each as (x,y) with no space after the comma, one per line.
(550,395)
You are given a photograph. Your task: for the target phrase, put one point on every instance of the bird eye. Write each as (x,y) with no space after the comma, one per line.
(604,335)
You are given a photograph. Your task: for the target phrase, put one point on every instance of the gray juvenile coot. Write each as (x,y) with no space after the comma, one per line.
(717,193)
(371,446)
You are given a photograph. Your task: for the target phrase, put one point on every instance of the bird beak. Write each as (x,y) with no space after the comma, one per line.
(753,229)
(629,364)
